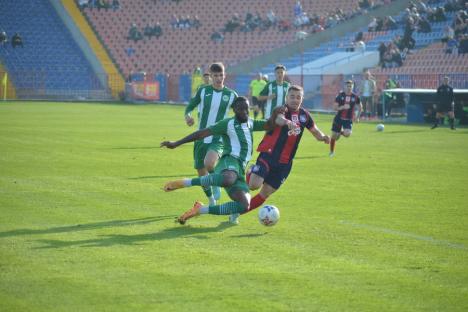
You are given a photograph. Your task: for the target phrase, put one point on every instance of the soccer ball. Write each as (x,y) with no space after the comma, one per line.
(380,127)
(268,215)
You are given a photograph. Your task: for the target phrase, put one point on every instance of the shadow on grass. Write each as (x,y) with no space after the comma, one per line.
(122,239)
(85,227)
(309,157)
(164,176)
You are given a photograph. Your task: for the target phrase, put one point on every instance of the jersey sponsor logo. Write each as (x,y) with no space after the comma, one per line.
(294,118)
(208,94)
(296,131)
(348,99)
(303,118)
(225,97)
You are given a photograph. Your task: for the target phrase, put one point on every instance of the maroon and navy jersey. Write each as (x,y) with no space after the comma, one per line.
(342,98)
(281,143)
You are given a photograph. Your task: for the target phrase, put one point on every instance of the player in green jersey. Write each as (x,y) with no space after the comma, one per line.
(274,93)
(213,102)
(229,173)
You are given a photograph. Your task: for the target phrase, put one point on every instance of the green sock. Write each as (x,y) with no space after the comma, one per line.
(207,191)
(226,208)
(209,180)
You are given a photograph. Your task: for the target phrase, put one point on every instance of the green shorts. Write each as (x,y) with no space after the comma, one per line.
(228,162)
(200,150)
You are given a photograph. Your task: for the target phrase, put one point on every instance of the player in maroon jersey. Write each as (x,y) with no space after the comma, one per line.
(279,146)
(344,105)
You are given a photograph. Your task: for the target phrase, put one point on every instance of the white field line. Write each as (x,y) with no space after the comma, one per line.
(407,235)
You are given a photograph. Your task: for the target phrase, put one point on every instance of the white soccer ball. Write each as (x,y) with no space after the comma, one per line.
(268,215)
(380,127)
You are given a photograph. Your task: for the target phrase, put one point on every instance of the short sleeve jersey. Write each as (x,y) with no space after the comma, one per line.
(237,137)
(282,143)
(352,99)
(257,86)
(213,106)
(445,95)
(274,88)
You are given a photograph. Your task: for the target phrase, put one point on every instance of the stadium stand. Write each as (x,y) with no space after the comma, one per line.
(49,64)
(179,50)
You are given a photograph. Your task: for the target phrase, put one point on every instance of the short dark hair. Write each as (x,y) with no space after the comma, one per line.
(239,100)
(296,88)
(349,82)
(217,67)
(280,66)
(206,74)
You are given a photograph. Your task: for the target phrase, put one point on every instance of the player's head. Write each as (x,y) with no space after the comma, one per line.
(217,74)
(294,97)
(259,76)
(280,71)
(349,86)
(446,80)
(206,78)
(241,108)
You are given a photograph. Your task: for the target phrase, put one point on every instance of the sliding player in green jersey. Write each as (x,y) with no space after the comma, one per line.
(213,103)
(274,93)
(229,173)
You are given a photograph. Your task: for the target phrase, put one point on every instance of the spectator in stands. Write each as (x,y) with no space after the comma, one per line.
(157,30)
(196,22)
(463,47)
(134,34)
(16,40)
(372,25)
(298,9)
(389,23)
(174,21)
(3,38)
(448,33)
(452,46)
(423,25)
(83,4)
(439,15)
(115,5)
(364,4)
(460,24)
(148,31)
(217,37)
(382,49)
(367,89)
(360,46)
(421,6)
(272,18)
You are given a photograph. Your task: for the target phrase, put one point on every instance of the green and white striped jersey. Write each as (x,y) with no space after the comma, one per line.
(274,88)
(213,106)
(237,137)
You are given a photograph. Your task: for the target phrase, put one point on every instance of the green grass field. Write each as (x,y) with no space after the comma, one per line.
(84,225)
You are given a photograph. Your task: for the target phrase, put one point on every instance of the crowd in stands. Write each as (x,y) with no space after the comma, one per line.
(302,19)
(417,17)
(185,22)
(16,40)
(149,31)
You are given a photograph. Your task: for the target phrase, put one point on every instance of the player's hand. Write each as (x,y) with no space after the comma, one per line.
(168,144)
(326,139)
(189,121)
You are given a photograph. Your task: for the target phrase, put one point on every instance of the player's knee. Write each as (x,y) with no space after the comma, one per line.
(209,164)
(229,178)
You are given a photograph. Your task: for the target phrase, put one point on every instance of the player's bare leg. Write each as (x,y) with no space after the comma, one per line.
(207,189)
(335,137)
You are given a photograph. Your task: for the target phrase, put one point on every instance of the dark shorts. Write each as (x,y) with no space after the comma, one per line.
(444,108)
(272,172)
(340,124)
(257,102)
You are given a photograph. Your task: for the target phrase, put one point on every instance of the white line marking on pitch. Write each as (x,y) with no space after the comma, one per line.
(404,234)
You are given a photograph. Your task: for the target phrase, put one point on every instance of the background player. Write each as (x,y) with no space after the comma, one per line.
(279,146)
(274,93)
(445,104)
(344,105)
(213,102)
(256,86)
(230,170)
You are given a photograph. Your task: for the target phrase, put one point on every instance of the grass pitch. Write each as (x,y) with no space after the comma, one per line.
(84,226)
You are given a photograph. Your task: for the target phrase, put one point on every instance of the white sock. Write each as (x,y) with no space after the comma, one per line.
(204,209)
(187,182)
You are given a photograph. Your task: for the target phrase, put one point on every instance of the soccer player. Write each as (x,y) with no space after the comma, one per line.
(229,173)
(213,102)
(256,86)
(279,146)
(445,104)
(274,93)
(344,105)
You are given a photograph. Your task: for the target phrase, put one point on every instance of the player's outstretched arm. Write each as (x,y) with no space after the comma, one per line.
(319,135)
(197,135)
(277,119)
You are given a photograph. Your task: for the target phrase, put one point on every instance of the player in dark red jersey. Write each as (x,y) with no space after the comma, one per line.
(345,104)
(279,146)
